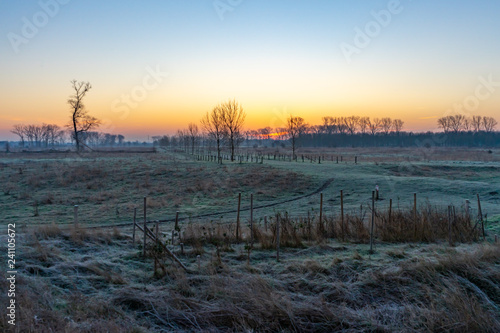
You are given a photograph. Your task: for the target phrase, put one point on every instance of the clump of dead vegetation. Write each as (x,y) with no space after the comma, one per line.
(429,224)
(84,280)
(450,293)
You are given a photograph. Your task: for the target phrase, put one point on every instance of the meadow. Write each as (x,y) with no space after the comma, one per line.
(421,275)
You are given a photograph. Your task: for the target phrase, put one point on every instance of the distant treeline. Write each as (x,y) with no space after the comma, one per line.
(51,135)
(353,131)
(402,139)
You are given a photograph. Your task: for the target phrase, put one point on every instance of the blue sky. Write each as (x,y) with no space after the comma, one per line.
(275,57)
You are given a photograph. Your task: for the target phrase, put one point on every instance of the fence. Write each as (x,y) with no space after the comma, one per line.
(427,224)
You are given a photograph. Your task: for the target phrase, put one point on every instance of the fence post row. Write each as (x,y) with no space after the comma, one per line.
(155,235)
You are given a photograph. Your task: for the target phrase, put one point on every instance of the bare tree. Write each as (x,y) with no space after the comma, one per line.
(374,126)
(265,132)
(19,130)
(364,124)
(213,124)
(51,133)
(295,128)
(476,123)
(121,139)
(341,126)
(489,124)
(329,125)
(397,124)
(193,135)
(81,121)
(29,131)
(233,118)
(94,138)
(183,139)
(351,124)
(444,123)
(316,129)
(456,122)
(281,133)
(386,125)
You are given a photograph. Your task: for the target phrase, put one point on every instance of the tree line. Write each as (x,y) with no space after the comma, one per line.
(39,135)
(351,131)
(51,135)
(80,128)
(460,123)
(220,127)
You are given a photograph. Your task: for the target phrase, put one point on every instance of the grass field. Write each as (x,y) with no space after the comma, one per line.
(75,279)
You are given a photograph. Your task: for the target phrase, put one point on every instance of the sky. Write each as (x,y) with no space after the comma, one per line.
(156,66)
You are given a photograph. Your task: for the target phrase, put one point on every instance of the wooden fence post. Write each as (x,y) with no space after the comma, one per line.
(390,211)
(75,217)
(480,213)
(415,214)
(321,210)
(176,227)
(251,219)
(450,242)
(145,229)
(373,221)
(342,212)
(133,228)
(467,209)
(238,218)
(156,236)
(277,238)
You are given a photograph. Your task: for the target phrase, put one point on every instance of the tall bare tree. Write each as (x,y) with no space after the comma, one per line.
(489,124)
(295,128)
(233,118)
(19,130)
(81,121)
(364,124)
(329,125)
(386,125)
(351,124)
(476,123)
(374,126)
(456,122)
(213,125)
(193,135)
(341,126)
(397,124)
(444,123)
